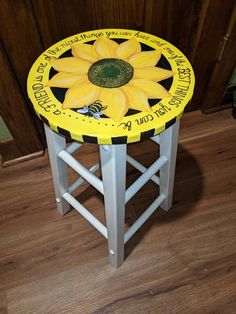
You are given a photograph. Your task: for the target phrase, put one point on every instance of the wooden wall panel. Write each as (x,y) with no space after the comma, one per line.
(22,44)
(20,37)
(59,19)
(180,22)
(175,21)
(223,69)
(209,47)
(119,13)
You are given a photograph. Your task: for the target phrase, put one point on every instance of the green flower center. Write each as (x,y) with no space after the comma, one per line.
(110,73)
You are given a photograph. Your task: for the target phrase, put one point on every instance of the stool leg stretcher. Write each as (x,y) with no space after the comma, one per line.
(143,218)
(84,172)
(141,168)
(86,214)
(81,180)
(144,178)
(73,147)
(113,184)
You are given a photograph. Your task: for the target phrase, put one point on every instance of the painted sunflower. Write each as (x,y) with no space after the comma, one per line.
(119,76)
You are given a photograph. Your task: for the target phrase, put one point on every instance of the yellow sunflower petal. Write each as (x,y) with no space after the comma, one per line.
(115,102)
(145,59)
(128,48)
(136,99)
(151,89)
(105,47)
(71,65)
(84,51)
(66,80)
(81,95)
(152,73)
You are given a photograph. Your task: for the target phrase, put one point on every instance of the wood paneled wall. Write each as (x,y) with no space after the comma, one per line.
(27,27)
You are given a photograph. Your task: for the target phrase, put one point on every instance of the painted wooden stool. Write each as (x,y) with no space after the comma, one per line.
(111,87)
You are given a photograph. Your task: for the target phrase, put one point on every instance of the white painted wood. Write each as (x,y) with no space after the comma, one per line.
(74,186)
(141,168)
(113,166)
(144,217)
(143,179)
(83,171)
(168,148)
(56,143)
(86,214)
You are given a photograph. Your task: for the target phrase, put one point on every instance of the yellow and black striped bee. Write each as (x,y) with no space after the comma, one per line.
(93,110)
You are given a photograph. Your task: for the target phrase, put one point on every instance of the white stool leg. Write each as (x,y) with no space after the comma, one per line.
(168,148)
(56,143)
(113,164)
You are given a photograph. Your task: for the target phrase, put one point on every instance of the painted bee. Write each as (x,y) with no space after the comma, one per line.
(93,110)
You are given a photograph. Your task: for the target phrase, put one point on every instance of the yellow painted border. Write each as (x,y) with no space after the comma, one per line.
(105,131)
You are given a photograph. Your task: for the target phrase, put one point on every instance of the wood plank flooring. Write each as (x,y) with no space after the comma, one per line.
(182,261)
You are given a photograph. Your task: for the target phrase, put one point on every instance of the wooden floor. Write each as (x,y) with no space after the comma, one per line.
(183,261)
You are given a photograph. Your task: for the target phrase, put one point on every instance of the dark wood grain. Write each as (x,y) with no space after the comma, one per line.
(59,19)
(223,68)
(3,302)
(182,261)
(14,111)
(20,37)
(207,53)
(175,21)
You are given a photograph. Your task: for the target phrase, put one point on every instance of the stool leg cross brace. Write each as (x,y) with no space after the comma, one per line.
(113,184)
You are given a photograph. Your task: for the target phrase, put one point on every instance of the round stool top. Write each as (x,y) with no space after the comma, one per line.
(110,86)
